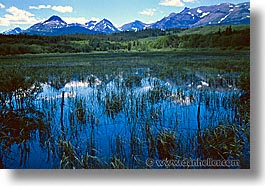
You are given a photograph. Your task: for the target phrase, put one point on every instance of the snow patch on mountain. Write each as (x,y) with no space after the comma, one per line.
(199,11)
(204,14)
(222,19)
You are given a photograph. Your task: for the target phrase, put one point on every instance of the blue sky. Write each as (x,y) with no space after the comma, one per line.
(24,13)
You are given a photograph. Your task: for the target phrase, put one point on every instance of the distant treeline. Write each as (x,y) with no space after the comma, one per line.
(145,40)
(227,39)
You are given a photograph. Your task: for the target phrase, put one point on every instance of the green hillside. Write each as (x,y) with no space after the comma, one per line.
(221,37)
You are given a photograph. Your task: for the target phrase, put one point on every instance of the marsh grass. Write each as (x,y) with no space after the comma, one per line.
(166,145)
(131,108)
(80,109)
(71,160)
(223,142)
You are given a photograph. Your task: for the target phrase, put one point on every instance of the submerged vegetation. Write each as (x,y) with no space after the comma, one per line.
(118,109)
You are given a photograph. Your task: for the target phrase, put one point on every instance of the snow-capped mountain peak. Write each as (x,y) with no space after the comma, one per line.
(91,24)
(105,26)
(134,26)
(50,25)
(14,31)
(55,22)
(221,14)
(55,19)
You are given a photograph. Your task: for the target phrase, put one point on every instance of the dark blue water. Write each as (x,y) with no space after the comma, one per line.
(114,118)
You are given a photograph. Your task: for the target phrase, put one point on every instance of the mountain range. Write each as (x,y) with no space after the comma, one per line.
(221,14)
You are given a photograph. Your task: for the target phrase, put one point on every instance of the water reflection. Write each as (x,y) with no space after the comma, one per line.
(116,123)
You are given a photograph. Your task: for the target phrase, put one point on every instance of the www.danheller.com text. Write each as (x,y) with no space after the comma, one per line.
(192,163)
